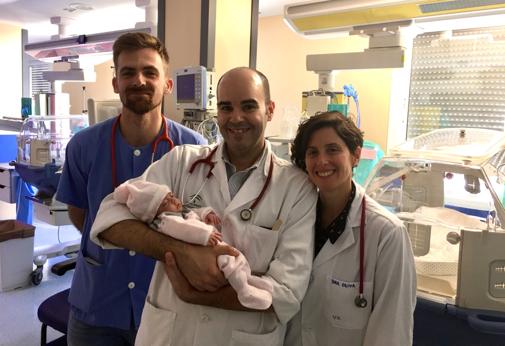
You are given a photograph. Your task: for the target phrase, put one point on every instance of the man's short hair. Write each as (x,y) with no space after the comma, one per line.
(133,41)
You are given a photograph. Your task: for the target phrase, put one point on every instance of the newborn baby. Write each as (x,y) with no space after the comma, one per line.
(187,225)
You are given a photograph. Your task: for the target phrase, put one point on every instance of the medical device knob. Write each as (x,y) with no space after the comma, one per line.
(453,238)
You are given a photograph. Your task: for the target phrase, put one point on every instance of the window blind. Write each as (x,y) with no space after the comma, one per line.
(38,83)
(457,80)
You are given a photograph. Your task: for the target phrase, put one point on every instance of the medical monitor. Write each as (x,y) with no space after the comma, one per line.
(194,88)
(100,110)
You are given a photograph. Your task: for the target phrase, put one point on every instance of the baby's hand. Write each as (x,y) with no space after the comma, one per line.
(212,219)
(214,239)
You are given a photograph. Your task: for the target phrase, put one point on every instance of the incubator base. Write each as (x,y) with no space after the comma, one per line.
(56,215)
(443,286)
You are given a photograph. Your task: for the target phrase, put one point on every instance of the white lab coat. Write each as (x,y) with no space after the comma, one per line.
(329,316)
(283,255)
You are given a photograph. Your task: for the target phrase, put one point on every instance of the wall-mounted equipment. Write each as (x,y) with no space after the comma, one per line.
(386,49)
(68,70)
(77,45)
(195,95)
(321,17)
(194,88)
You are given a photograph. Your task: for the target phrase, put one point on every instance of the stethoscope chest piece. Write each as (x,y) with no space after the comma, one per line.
(360,301)
(245,214)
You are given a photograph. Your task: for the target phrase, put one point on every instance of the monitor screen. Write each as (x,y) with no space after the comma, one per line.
(186,88)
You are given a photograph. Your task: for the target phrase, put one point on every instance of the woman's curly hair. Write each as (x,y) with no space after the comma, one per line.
(343,126)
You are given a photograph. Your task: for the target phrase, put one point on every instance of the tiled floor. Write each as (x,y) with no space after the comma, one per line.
(19,325)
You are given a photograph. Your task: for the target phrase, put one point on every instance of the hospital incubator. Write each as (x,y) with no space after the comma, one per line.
(448,188)
(41,152)
(40,157)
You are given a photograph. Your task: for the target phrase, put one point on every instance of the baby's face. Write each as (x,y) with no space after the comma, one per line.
(170,203)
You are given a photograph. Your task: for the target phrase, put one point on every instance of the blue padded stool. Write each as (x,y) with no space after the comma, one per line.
(54,312)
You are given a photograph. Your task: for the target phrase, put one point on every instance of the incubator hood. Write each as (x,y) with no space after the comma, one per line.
(320,17)
(77,45)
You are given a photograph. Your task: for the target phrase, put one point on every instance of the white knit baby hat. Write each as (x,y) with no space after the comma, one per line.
(143,198)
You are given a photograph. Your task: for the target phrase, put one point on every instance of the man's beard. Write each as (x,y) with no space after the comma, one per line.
(139,105)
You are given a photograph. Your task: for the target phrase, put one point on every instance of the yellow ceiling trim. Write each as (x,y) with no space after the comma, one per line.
(376,15)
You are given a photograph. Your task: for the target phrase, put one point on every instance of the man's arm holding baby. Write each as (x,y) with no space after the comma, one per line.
(116,227)
(223,298)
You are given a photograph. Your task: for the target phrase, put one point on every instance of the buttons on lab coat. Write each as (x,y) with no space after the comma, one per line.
(137,152)
(204,318)
(131,253)
(131,285)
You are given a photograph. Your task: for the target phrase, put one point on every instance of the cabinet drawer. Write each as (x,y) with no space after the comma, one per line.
(8,183)
(6,195)
(5,176)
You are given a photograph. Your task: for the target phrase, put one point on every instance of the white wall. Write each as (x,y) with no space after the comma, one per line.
(10,62)
(281,56)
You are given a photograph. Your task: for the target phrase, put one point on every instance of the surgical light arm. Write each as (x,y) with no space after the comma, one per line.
(386,50)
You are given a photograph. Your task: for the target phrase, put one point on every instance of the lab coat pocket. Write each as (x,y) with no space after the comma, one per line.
(340,308)
(258,246)
(161,324)
(273,338)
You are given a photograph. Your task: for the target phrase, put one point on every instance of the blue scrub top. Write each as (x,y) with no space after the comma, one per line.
(109,287)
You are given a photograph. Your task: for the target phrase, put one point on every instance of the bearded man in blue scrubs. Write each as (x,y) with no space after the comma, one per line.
(109,287)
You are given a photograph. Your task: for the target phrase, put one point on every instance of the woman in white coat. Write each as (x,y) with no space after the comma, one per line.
(339,308)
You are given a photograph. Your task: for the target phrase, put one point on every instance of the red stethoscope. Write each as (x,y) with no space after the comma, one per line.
(246,213)
(360,299)
(163,137)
